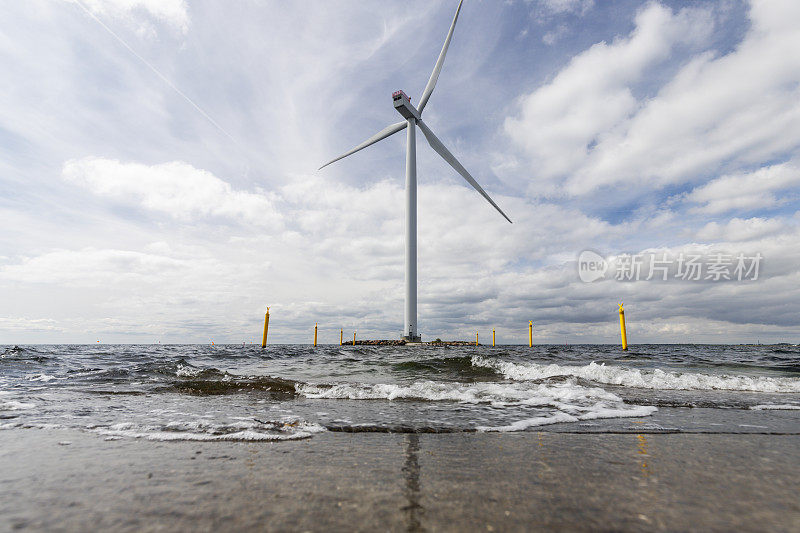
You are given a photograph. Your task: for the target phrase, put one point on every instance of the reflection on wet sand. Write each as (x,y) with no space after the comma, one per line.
(413,509)
(642,451)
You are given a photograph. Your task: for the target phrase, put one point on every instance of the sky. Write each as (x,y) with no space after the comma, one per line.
(159,183)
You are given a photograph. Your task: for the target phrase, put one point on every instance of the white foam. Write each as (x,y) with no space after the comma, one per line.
(566,401)
(560,417)
(776,407)
(166,436)
(522,425)
(185,371)
(13,405)
(39,377)
(496,394)
(287,431)
(645,379)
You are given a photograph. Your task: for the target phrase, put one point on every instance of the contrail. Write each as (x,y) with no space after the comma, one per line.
(154,69)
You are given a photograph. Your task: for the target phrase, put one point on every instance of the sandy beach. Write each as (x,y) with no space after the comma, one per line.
(73,481)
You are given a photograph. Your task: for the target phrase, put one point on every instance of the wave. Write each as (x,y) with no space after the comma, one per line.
(40,377)
(496,394)
(23,355)
(644,379)
(396,428)
(561,417)
(180,376)
(14,405)
(776,407)
(255,430)
(563,400)
(229,384)
(459,368)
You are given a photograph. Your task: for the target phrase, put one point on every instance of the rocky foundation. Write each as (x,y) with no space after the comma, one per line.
(400,342)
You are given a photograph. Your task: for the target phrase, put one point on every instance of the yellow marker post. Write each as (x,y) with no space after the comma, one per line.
(354,338)
(493,337)
(476,338)
(341,336)
(266,329)
(530,333)
(315,334)
(622,328)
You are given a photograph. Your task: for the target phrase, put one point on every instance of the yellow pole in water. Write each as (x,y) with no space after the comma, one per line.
(493,337)
(354,338)
(530,333)
(266,329)
(476,338)
(341,336)
(315,333)
(622,328)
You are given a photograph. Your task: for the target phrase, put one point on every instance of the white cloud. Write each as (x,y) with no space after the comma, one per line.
(38,325)
(551,37)
(738,229)
(736,110)
(171,12)
(176,189)
(567,6)
(745,191)
(90,266)
(197,246)
(559,122)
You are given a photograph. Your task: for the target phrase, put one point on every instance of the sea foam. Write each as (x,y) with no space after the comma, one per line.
(560,417)
(644,379)
(13,405)
(565,401)
(177,431)
(496,394)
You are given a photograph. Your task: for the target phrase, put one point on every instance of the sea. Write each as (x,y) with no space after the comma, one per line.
(284,392)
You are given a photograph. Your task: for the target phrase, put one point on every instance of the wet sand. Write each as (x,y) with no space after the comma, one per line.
(74,481)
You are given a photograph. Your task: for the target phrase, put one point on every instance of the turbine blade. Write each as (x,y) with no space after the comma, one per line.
(385,132)
(442,150)
(426,94)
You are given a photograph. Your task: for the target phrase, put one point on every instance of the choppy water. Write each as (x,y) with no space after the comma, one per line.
(235,392)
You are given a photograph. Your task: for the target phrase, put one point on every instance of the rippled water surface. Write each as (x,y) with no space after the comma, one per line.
(235,392)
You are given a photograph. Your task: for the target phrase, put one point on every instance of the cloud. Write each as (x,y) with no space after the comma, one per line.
(551,37)
(173,13)
(176,189)
(560,122)
(343,265)
(171,232)
(567,6)
(745,191)
(37,325)
(717,112)
(90,266)
(738,229)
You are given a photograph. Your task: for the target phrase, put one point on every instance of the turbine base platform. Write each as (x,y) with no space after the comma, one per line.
(405,342)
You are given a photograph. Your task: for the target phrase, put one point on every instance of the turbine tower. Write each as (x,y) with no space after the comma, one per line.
(412,118)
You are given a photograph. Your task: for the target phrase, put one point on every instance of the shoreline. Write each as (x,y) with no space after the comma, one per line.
(71,480)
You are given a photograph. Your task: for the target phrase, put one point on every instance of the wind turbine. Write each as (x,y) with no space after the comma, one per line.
(413,118)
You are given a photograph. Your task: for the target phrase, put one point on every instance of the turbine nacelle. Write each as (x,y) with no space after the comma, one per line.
(403,105)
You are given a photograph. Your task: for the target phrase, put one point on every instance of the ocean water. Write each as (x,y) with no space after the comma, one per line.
(244,393)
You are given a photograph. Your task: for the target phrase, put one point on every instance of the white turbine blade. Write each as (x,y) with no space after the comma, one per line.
(442,150)
(385,132)
(426,94)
